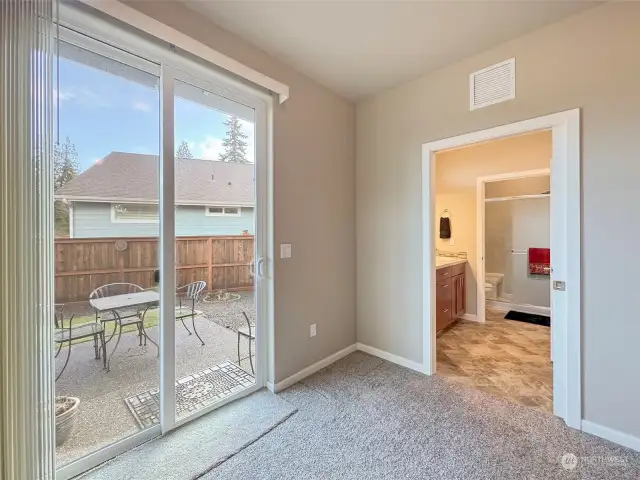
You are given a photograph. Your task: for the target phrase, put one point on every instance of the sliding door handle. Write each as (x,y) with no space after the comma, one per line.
(261,267)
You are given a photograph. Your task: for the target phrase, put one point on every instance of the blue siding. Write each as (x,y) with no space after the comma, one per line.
(94,220)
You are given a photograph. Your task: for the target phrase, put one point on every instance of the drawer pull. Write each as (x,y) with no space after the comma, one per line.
(446,286)
(445,310)
(445,274)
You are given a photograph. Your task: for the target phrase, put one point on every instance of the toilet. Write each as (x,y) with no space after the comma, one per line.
(493,285)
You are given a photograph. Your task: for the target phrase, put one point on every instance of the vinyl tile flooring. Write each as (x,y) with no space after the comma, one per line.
(505,358)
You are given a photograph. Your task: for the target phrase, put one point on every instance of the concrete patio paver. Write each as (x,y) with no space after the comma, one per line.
(103,416)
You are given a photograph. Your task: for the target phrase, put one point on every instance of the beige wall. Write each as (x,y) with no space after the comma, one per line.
(588,61)
(457,173)
(518,186)
(460,168)
(314,177)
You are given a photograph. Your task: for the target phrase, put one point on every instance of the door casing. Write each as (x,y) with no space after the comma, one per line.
(565,241)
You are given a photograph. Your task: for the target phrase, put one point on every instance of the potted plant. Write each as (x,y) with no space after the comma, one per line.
(66,410)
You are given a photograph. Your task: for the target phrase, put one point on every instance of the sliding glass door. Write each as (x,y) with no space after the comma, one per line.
(160,240)
(106,165)
(215,328)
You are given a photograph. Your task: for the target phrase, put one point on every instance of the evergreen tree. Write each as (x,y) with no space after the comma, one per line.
(235,143)
(183,150)
(65,168)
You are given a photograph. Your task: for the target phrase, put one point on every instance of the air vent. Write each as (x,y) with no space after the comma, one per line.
(493,84)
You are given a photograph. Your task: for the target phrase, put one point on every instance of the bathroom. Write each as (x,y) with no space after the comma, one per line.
(493,288)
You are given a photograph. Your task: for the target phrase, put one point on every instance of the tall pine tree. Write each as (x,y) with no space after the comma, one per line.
(235,143)
(183,150)
(65,169)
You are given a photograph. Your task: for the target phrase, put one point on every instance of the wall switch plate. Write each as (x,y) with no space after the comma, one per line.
(285,250)
(312,330)
(452,242)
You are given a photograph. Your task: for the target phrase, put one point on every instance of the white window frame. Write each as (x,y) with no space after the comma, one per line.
(224,211)
(115,219)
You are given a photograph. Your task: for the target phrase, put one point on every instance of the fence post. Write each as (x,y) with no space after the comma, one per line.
(121,265)
(209,263)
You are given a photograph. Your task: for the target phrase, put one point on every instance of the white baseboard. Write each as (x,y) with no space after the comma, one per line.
(612,435)
(311,369)
(471,318)
(404,362)
(518,307)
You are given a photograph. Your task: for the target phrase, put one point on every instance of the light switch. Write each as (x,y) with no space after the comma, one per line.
(285,250)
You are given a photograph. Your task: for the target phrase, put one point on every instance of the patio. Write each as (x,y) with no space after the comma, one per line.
(118,403)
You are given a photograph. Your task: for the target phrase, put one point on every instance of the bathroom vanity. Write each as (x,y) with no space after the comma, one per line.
(450,291)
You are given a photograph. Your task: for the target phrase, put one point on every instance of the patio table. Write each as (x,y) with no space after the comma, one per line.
(118,302)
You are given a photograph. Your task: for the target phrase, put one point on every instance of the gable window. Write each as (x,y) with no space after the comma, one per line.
(134,213)
(222,211)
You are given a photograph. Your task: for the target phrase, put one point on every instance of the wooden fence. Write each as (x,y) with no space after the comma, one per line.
(83,264)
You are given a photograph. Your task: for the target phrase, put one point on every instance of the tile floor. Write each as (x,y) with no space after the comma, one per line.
(505,358)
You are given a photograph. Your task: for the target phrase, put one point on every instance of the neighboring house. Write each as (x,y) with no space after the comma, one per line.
(118,197)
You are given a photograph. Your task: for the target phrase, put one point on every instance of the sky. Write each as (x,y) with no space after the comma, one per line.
(102,112)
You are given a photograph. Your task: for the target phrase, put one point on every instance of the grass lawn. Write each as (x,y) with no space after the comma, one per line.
(151,319)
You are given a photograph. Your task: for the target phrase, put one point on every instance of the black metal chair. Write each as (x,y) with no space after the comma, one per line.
(71,333)
(187,296)
(249,333)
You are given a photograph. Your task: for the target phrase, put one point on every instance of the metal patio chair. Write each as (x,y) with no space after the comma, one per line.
(186,297)
(249,332)
(127,317)
(68,334)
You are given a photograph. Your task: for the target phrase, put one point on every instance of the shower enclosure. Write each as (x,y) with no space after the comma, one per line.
(516,219)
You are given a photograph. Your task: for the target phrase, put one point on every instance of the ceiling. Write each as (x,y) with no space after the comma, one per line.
(361,47)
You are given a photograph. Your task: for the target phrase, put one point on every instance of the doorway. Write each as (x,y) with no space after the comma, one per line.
(565,242)
(513,212)
(161,238)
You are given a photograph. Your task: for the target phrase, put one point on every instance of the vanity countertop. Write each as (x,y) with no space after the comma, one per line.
(442,262)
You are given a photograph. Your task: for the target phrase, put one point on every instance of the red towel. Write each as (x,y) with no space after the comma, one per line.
(540,261)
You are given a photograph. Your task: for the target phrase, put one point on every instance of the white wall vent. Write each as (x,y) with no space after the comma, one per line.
(493,84)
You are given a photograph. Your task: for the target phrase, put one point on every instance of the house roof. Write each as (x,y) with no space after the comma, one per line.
(134,177)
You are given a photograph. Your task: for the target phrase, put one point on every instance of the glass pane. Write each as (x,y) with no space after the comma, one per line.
(530,230)
(215,304)
(512,227)
(106,226)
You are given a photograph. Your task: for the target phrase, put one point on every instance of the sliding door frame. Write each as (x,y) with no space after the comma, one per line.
(174,66)
(262,168)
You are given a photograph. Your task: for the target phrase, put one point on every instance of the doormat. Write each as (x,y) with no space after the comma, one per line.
(528,318)
(193,392)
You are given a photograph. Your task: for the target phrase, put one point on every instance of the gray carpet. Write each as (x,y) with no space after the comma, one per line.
(365,418)
(199,446)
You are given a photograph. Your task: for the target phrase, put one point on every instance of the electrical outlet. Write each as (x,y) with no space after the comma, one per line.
(312,330)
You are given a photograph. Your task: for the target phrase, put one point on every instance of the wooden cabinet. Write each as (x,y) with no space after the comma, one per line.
(458,292)
(450,295)
(443,304)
